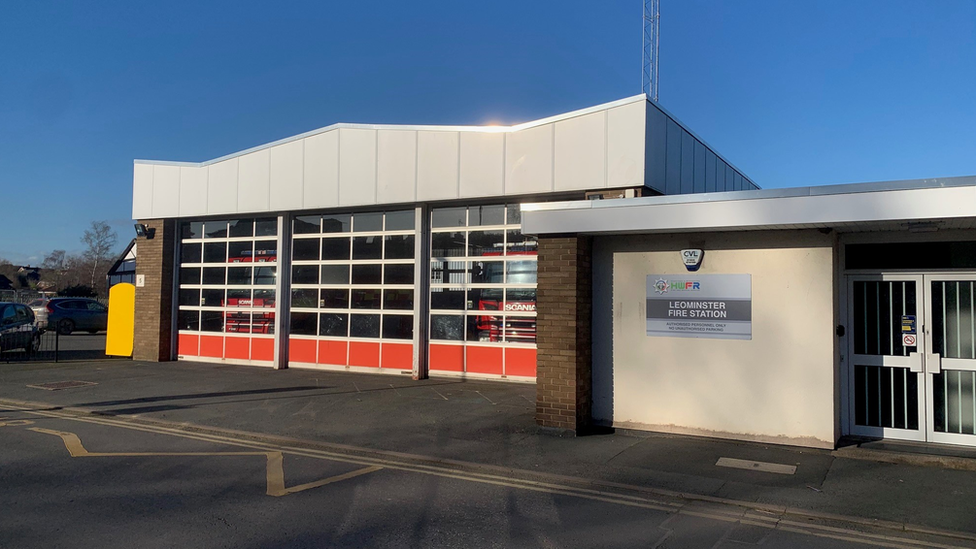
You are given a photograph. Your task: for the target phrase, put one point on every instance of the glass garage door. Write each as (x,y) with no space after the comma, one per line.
(482,292)
(352,290)
(226,297)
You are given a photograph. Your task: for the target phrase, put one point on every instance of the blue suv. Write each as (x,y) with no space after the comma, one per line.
(69,314)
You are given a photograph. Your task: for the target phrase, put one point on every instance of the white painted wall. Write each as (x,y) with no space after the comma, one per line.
(358,165)
(777,387)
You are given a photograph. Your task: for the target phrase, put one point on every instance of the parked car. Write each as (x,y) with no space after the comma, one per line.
(39,306)
(70,314)
(18,328)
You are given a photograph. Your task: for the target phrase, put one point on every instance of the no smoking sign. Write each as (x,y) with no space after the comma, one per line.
(908,340)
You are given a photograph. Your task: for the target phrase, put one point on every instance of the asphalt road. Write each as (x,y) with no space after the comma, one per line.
(75,480)
(77,346)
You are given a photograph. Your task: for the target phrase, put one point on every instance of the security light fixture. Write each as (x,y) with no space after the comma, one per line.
(143,231)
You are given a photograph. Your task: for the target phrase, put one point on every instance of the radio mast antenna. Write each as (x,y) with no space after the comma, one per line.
(652,31)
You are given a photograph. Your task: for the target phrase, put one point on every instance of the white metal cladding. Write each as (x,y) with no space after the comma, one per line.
(947,199)
(347,165)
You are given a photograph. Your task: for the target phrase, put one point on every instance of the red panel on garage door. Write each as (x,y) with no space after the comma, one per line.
(484,360)
(520,362)
(362,353)
(397,356)
(262,349)
(332,352)
(237,348)
(446,358)
(302,350)
(212,346)
(189,345)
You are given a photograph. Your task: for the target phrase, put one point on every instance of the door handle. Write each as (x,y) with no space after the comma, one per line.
(915,362)
(933,363)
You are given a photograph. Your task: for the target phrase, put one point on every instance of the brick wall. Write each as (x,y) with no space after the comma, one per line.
(154,301)
(564,302)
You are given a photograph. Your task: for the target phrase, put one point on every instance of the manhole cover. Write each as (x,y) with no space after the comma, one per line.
(58,385)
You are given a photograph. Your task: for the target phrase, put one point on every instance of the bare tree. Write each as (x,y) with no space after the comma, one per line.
(100,240)
(55,267)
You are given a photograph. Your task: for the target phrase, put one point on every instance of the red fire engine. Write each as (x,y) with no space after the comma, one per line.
(258,322)
(516,329)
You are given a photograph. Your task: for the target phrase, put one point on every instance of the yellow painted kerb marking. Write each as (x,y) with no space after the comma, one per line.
(275,471)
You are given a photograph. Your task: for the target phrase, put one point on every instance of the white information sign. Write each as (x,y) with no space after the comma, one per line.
(713,306)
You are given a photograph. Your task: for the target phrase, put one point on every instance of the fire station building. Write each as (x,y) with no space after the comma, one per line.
(608,255)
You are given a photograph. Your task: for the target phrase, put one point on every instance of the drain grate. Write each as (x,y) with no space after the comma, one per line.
(58,385)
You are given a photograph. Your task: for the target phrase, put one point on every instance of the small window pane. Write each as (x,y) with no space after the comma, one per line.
(520,329)
(335,325)
(336,223)
(335,274)
(365,298)
(366,274)
(522,272)
(239,275)
(486,215)
(398,299)
(265,251)
(367,247)
(400,221)
(239,298)
(397,327)
(305,249)
(212,298)
(264,298)
(364,326)
(190,253)
(238,322)
(514,214)
(399,246)
(304,298)
(215,229)
(487,272)
(190,297)
(334,298)
(485,242)
(484,328)
(194,229)
(189,275)
(520,299)
(188,320)
(242,227)
(448,272)
(448,217)
(485,299)
(264,276)
(305,274)
(519,244)
(214,275)
(215,252)
(443,298)
(239,252)
(266,227)
(335,249)
(306,224)
(447,327)
(398,274)
(367,222)
(303,323)
(263,323)
(212,321)
(447,244)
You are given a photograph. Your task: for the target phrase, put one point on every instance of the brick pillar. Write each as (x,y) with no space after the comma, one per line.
(563,377)
(154,301)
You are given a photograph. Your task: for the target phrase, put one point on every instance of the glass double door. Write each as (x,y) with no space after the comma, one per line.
(912,352)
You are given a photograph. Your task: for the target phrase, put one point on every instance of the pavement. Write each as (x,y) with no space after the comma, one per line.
(487,430)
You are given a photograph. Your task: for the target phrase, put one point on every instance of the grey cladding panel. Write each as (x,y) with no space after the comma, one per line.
(656,147)
(673,166)
(687,163)
(700,167)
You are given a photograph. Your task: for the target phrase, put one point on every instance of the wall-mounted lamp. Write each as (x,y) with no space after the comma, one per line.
(143,231)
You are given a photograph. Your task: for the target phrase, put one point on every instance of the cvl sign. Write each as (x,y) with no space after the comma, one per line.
(692,258)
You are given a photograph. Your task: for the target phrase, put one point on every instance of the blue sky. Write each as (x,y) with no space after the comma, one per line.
(793,93)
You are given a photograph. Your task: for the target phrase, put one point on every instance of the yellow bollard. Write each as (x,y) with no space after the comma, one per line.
(121,320)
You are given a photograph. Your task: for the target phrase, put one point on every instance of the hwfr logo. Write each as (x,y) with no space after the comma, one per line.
(663,286)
